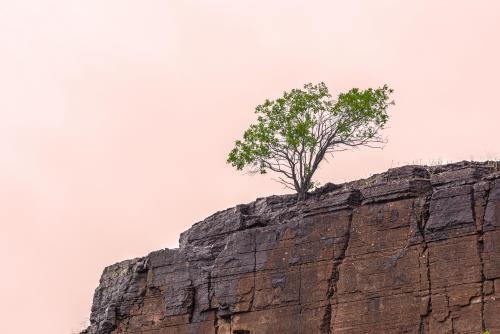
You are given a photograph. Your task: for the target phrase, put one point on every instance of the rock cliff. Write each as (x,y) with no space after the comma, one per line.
(413,250)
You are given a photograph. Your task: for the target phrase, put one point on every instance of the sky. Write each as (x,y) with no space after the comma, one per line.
(116,117)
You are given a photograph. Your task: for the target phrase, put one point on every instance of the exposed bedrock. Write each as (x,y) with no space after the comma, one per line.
(413,250)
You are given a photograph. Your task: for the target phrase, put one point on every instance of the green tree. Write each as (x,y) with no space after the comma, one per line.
(296,132)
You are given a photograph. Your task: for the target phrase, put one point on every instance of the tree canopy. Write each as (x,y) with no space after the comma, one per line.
(296,132)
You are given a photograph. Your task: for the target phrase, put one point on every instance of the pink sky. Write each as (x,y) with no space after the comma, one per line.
(116,117)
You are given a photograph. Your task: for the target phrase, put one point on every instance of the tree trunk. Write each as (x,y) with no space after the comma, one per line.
(301,195)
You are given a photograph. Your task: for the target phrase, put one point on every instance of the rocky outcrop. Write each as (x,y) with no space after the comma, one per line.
(413,250)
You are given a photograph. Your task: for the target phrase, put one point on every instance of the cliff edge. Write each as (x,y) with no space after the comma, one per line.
(413,250)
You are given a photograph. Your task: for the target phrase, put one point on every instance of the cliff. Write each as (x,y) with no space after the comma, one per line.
(413,250)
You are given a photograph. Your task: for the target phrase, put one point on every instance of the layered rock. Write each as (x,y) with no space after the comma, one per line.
(412,250)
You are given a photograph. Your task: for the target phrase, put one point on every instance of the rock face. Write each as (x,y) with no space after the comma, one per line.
(413,250)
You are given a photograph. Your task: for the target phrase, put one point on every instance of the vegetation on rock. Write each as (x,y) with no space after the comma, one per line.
(297,131)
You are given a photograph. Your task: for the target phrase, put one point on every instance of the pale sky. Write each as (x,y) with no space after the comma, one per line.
(116,117)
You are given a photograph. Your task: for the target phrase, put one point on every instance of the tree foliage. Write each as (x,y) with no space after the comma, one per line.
(294,133)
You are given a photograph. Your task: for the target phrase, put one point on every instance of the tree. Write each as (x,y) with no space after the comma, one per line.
(297,131)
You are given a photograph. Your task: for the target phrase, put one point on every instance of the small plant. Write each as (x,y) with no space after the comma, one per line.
(494,164)
(486,331)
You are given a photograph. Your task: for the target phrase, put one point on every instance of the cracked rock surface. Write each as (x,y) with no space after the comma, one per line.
(413,250)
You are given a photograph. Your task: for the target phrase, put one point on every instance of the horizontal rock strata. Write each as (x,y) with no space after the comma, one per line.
(413,250)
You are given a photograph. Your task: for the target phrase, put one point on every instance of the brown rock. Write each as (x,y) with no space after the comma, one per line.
(412,250)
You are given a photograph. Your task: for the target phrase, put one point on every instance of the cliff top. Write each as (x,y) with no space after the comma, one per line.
(400,182)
